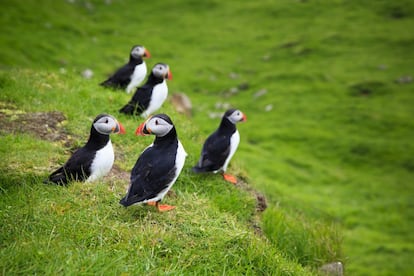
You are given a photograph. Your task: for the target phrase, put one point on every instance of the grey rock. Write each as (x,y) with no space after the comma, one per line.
(87,73)
(260,93)
(404,79)
(233,75)
(332,269)
(182,103)
(268,107)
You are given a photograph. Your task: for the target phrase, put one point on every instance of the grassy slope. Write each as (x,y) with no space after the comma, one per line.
(83,229)
(324,156)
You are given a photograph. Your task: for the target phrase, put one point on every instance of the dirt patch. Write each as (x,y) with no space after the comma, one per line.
(118,174)
(43,125)
(261,204)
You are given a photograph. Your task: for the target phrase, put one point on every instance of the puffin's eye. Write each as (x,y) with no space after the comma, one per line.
(156,122)
(106,121)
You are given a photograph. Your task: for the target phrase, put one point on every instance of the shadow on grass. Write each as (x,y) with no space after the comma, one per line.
(11,182)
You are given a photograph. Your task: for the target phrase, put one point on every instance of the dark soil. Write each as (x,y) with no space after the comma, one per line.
(43,125)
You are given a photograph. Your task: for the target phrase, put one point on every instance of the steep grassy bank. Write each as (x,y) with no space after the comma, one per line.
(82,229)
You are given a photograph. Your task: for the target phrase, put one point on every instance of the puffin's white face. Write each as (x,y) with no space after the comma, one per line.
(139,51)
(159,125)
(236,116)
(162,70)
(107,125)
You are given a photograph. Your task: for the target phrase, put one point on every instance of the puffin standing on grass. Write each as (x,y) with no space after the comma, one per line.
(158,166)
(152,94)
(95,159)
(131,74)
(221,145)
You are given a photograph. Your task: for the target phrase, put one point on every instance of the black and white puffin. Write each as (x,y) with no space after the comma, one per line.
(95,159)
(131,74)
(221,145)
(158,166)
(152,94)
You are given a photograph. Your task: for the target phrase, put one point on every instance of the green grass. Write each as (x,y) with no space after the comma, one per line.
(334,156)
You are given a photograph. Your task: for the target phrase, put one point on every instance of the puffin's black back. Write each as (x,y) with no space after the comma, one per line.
(78,167)
(142,97)
(217,146)
(122,76)
(154,169)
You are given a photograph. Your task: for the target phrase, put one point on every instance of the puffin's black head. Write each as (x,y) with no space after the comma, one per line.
(235,116)
(162,71)
(107,124)
(159,125)
(139,51)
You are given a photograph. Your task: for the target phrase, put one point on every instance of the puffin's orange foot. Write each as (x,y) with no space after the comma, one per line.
(230,178)
(164,207)
(152,203)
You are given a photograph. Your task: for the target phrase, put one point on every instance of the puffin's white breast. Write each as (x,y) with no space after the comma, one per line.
(234,143)
(140,71)
(159,95)
(102,164)
(179,159)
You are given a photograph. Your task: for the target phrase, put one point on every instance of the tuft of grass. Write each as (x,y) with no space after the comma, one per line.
(306,242)
(48,229)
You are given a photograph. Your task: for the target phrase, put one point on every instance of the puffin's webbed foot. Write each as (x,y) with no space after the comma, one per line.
(230,178)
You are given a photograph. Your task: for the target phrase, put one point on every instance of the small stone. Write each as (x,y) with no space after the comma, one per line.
(234,90)
(260,93)
(382,67)
(233,75)
(220,105)
(226,106)
(214,115)
(332,269)
(268,107)
(87,73)
(182,103)
(404,79)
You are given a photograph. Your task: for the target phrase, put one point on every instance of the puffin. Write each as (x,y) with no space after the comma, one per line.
(131,74)
(95,159)
(149,98)
(158,166)
(221,145)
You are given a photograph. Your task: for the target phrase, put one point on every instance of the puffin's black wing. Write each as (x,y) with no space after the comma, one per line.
(214,153)
(139,102)
(151,174)
(76,168)
(121,78)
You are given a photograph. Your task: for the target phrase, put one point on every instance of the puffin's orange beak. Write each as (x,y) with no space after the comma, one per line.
(142,130)
(244,118)
(121,128)
(147,53)
(169,75)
